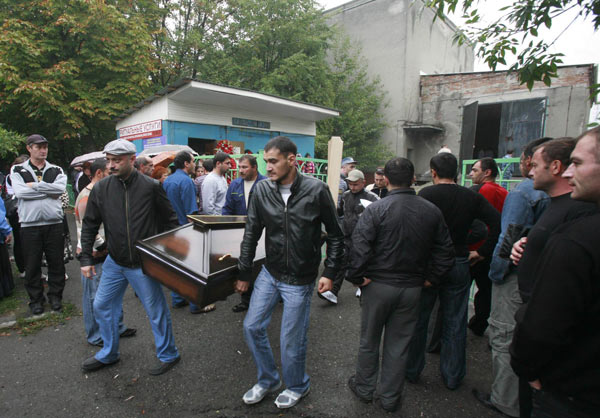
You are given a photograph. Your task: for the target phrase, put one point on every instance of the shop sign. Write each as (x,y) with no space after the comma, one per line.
(141,130)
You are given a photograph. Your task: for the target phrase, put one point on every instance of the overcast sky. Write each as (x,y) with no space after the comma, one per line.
(579,43)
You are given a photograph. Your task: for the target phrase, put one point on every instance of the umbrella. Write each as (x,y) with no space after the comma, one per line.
(153,151)
(78,161)
(164,158)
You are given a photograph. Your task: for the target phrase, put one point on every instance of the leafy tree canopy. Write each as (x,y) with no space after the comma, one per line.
(10,143)
(516,34)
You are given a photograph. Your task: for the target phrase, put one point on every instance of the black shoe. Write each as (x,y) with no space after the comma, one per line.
(377,403)
(180,304)
(485,400)
(475,327)
(56,305)
(240,307)
(91,364)
(36,309)
(163,367)
(129,332)
(352,387)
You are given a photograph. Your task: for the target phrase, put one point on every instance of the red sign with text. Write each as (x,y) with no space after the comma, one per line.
(141,130)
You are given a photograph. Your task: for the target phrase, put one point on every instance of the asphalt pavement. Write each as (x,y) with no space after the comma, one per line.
(40,374)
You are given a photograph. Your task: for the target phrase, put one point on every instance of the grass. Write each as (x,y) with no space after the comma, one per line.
(13,302)
(28,326)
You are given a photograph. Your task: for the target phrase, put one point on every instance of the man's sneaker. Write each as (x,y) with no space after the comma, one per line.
(358,292)
(329,296)
(288,398)
(22,275)
(258,393)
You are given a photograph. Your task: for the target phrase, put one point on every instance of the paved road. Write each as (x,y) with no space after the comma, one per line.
(40,375)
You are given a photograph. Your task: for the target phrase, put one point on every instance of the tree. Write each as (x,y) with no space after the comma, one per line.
(516,34)
(67,68)
(10,143)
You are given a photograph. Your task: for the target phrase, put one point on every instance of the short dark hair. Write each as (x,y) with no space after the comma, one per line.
(594,133)
(400,172)
(558,149)
(250,158)
(528,149)
(488,163)
(283,144)
(181,158)
(220,157)
(208,165)
(445,165)
(379,171)
(98,164)
(140,161)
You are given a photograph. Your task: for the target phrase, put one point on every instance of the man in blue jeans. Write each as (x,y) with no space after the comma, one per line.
(132,207)
(460,207)
(291,208)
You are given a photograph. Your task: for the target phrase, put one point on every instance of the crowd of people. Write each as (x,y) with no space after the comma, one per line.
(532,253)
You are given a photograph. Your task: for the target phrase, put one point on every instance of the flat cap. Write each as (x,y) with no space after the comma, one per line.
(348,160)
(355,175)
(36,139)
(119,147)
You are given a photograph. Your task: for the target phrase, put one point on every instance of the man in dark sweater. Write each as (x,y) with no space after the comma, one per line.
(460,207)
(557,337)
(400,244)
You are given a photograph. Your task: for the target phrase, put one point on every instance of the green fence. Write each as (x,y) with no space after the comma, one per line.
(504,167)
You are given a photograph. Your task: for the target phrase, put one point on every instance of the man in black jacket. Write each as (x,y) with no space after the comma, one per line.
(131,207)
(400,244)
(557,337)
(291,208)
(460,207)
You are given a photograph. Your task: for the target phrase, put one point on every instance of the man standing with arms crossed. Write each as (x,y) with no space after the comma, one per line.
(38,185)
(236,203)
(291,208)
(132,207)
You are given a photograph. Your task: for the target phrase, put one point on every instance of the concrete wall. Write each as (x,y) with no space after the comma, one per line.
(399,41)
(444,96)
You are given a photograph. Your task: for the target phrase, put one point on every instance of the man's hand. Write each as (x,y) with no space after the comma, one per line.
(325,284)
(427,284)
(517,250)
(536,384)
(365,282)
(88,271)
(241,286)
(474,257)
(30,185)
(8,239)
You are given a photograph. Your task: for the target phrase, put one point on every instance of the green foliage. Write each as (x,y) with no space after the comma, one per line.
(11,143)
(67,68)
(516,32)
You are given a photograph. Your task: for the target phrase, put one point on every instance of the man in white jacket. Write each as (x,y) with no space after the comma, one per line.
(38,185)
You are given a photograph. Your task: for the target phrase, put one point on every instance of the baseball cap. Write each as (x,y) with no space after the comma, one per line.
(36,139)
(119,147)
(355,175)
(348,160)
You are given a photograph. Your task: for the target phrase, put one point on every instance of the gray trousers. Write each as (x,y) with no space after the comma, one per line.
(505,302)
(396,311)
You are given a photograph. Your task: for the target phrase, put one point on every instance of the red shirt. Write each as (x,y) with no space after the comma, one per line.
(495,194)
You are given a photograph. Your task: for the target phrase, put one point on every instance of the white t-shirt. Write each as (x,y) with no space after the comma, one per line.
(286,191)
(247,187)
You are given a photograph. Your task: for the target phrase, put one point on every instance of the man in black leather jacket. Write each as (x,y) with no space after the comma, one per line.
(131,207)
(291,208)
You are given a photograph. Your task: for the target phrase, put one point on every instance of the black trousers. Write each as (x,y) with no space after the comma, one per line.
(483,298)
(17,249)
(36,241)
(338,280)
(551,405)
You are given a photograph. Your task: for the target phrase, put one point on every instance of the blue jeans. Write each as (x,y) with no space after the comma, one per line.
(90,286)
(454,297)
(176,298)
(294,327)
(108,306)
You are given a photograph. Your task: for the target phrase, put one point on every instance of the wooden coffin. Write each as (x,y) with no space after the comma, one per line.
(198,260)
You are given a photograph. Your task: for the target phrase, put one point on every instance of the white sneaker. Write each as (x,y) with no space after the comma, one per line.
(288,398)
(258,393)
(330,297)
(44,277)
(22,275)
(358,292)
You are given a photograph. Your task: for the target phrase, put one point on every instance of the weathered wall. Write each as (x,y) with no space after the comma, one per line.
(399,41)
(444,96)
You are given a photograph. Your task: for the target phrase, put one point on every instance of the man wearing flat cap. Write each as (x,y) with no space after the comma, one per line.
(38,185)
(348,164)
(132,207)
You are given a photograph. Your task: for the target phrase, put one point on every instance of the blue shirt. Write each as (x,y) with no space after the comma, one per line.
(182,194)
(5,228)
(523,206)
(235,201)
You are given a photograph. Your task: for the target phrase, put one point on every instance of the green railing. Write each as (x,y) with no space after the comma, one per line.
(320,166)
(504,165)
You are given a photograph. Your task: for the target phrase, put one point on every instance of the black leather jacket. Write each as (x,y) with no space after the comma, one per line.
(401,240)
(131,210)
(293,232)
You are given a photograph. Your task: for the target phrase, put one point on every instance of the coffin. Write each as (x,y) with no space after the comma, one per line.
(198,260)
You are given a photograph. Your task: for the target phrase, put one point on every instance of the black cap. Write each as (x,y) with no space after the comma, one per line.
(36,139)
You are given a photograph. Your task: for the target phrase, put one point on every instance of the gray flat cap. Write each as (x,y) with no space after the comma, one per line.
(119,147)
